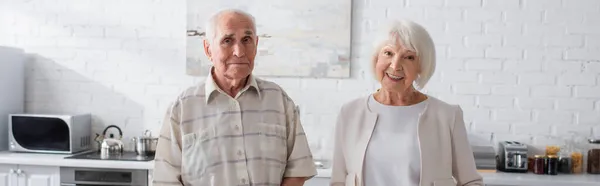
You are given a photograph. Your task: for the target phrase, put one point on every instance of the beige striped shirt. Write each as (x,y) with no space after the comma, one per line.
(211,139)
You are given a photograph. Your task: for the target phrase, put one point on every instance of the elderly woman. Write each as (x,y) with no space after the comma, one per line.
(398,135)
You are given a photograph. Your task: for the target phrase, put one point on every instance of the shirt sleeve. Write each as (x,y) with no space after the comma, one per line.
(300,161)
(167,163)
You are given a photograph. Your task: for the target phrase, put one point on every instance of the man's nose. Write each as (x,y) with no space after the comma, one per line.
(238,50)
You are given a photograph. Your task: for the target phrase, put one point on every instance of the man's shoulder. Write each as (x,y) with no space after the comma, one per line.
(195,91)
(266,84)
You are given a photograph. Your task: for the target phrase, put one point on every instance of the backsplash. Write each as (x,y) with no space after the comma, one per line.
(521,69)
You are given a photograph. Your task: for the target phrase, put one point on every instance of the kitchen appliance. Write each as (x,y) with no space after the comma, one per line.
(12,88)
(111,145)
(73,176)
(49,133)
(512,157)
(145,145)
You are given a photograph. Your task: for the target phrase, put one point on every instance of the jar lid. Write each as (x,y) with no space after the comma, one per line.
(594,141)
(552,156)
(538,156)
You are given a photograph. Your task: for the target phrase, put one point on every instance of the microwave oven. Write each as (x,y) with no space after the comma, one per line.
(64,134)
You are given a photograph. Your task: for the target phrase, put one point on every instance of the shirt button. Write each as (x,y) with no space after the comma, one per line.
(244,180)
(239,152)
(237,127)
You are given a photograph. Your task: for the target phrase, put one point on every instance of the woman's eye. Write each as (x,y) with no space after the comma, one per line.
(410,57)
(387,53)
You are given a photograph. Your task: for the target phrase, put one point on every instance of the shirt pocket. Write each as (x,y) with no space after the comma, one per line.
(444,182)
(201,152)
(271,152)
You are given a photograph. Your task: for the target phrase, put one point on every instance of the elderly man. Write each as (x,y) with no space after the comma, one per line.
(234,129)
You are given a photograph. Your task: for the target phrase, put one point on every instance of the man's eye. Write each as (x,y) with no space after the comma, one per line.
(387,53)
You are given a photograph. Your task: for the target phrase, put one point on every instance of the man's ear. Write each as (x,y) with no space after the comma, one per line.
(207,49)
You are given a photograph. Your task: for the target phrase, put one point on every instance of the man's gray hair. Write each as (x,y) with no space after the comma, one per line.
(414,37)
(213,21)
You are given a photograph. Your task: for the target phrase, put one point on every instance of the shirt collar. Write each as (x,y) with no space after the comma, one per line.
(210,86)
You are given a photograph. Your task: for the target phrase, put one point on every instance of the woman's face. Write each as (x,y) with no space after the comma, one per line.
(396,67)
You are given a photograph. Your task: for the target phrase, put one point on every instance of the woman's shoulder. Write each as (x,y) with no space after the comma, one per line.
(440,106)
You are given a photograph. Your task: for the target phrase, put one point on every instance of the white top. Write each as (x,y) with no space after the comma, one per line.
(398,165)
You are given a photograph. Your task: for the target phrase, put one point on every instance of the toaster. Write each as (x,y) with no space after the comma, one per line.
(511,157)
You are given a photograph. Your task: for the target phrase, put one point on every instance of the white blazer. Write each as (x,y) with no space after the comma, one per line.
(446,155)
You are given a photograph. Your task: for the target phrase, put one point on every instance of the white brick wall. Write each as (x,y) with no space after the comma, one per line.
(514,65)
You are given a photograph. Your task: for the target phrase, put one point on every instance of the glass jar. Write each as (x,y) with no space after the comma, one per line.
(539,162)
(593,161)
(577,162)
(552,165)
(552,150)
(565,165)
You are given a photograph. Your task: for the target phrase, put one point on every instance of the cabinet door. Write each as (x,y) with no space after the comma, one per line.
(8,176)
(38,175)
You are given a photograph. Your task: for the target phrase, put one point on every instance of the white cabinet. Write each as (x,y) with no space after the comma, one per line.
(28,175)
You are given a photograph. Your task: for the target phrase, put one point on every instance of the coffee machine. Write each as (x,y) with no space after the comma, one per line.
(511,157)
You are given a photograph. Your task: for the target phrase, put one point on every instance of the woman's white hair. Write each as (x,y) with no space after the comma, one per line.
(213,21)
(414,37)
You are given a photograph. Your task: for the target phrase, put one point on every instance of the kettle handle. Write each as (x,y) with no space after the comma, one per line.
(113,126)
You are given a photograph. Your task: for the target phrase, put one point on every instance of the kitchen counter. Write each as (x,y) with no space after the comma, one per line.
(522,179)
(7,157)
(530,179)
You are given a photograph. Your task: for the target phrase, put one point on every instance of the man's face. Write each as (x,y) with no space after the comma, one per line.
(233,49)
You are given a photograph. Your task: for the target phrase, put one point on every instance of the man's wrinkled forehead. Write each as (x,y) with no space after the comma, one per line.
(232,25)
(233,33)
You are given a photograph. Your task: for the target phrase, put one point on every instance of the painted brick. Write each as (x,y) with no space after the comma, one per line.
(503,53)
(446,14)
(522,66)
(496,102)
(541,4)
(504,28)
(462,52)
(533,53)
(460,77)
(482,15)
(550,91)
(481,64)
(577,79)
(483,40)
(523,16)
(588,117)
(511,90)
(582,54)
(563,66)
(464,3)
(587,92)
(534,103)
(471,89)
(554,117)
(501,4)
(498,78)
(524,41)
(537,79)
(575,104)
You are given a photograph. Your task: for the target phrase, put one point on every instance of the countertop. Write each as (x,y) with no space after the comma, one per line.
(522,179)
(38,159)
